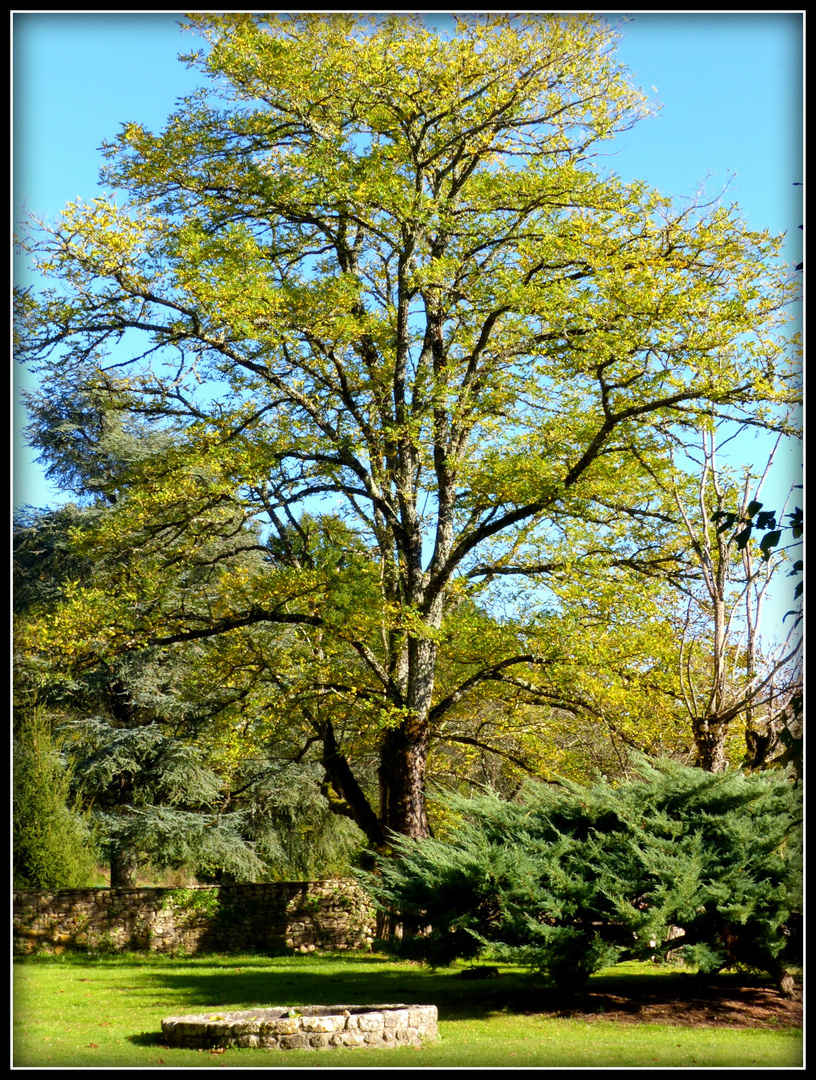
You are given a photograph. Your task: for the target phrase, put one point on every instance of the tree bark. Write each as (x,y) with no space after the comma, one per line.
(124,864)
(404,754)
(402,770)
(709,739)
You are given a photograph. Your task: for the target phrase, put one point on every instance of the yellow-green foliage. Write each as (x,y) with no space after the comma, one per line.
(372,262)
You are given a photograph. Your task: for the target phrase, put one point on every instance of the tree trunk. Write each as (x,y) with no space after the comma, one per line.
(402,779)
(709,730)
(402,798)
(404,755)
(123,866)
(709,740)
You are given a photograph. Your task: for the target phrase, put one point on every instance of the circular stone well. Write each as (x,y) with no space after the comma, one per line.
(311,1027)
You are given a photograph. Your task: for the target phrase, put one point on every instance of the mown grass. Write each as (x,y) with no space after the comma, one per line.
(74,1011)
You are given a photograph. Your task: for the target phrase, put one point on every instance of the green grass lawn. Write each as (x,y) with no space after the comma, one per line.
(107,1011)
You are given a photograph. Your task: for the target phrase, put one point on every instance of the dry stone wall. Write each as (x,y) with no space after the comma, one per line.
(313,1027)
(270,917)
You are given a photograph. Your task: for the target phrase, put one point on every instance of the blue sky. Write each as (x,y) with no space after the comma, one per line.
(730,87)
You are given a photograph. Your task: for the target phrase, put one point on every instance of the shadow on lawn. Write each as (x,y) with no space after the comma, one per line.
(207,981)
(728,999)
(147,1038)
(675,997)
(455,998)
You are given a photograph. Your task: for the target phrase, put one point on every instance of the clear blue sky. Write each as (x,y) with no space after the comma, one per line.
(730,86)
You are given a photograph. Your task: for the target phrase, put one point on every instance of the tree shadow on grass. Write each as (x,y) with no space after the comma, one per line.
(741,999)
(666,996)
(217,980)
(456,999)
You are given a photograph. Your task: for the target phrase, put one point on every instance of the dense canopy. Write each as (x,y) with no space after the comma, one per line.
(366,333)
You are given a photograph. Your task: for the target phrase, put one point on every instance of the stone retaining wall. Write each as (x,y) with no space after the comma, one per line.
(271,917)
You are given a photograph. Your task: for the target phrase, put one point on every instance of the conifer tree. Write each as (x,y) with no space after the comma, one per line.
(168,783)
(152,795)
(53,843)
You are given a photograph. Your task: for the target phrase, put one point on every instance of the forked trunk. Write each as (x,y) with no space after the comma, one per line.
(345,783)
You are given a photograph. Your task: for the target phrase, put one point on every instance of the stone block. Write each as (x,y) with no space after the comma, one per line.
(353,1038)
(287,1025)
(372,1021)
(293,1042)
(246,1027)
(323,1023)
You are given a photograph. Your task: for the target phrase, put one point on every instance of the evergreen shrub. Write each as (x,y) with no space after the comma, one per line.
(53,845)
(567,879)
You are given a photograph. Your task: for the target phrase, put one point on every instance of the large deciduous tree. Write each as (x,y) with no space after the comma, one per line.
(378,263)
